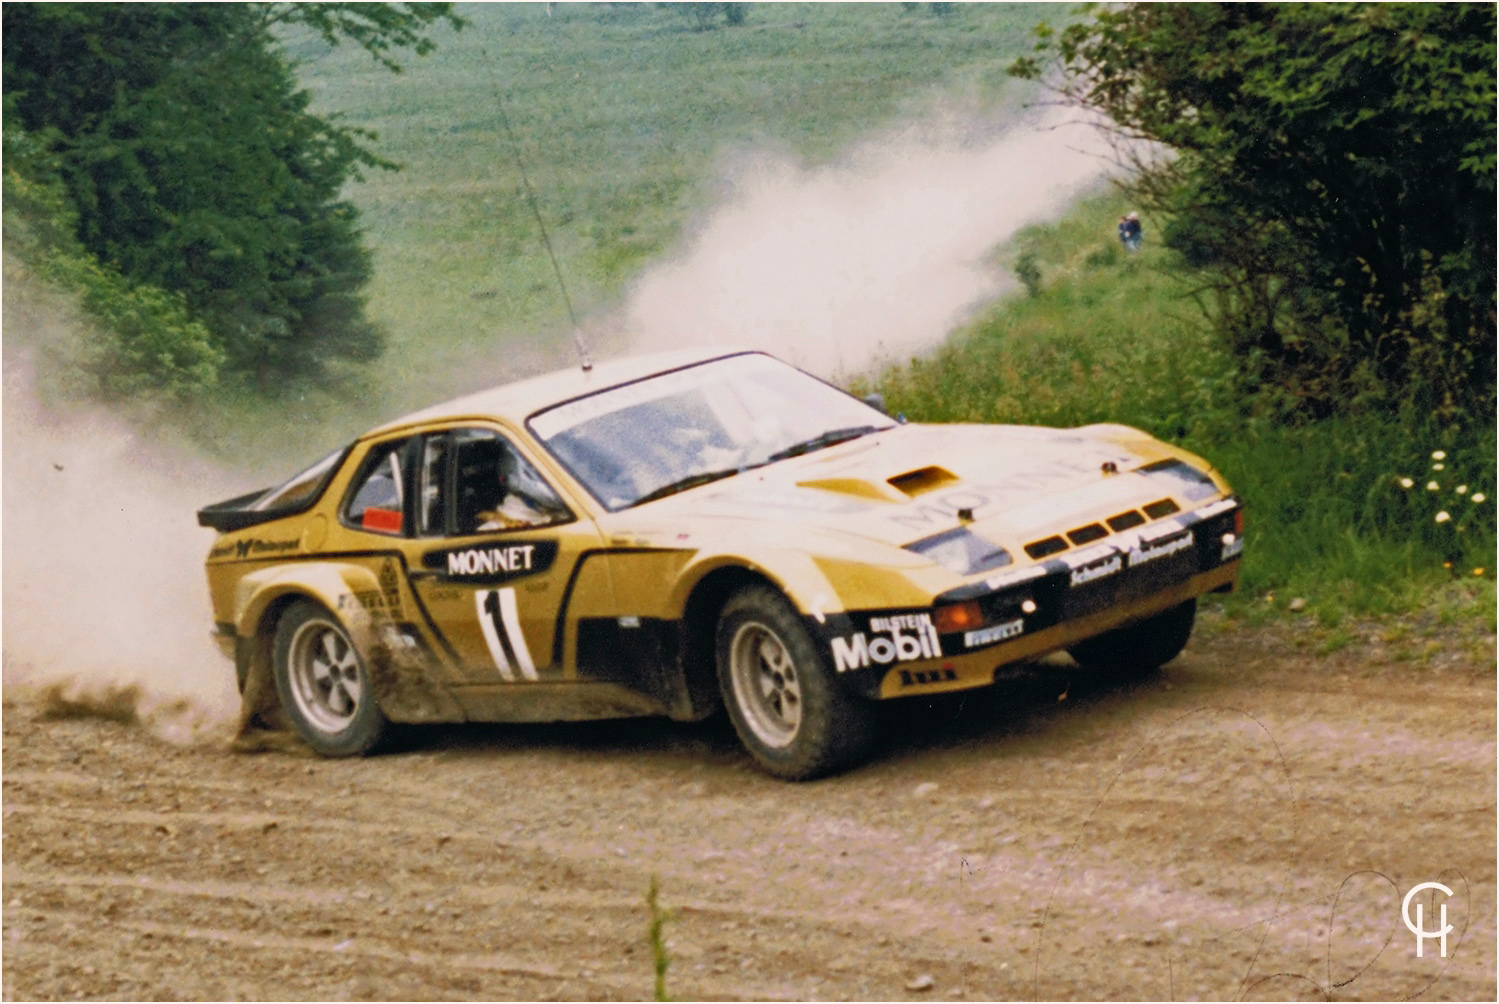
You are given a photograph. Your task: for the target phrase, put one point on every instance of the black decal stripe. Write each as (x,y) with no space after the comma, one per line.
(559,631)
(493,609)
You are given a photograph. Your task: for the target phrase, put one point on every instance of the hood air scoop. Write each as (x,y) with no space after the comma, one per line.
(901,488)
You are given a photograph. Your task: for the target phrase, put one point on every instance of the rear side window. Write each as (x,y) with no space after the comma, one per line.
(301,489)
(377,501)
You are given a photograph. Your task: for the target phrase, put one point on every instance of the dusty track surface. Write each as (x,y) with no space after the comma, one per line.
(1244,824)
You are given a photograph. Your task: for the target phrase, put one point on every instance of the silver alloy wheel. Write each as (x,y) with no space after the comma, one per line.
(326,680)
(766,686)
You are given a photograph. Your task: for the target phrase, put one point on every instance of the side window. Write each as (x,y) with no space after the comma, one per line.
(494,488)
(378,501)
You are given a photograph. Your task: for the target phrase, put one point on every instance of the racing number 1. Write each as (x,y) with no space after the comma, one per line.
(500,622)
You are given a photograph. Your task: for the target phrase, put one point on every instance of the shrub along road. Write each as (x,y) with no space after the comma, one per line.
(1244,824)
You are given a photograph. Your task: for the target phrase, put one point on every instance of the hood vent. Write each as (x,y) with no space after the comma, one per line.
(923,480)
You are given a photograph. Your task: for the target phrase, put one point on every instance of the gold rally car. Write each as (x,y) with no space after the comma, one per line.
(671,534)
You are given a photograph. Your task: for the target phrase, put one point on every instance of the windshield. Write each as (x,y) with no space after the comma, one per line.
(671,432)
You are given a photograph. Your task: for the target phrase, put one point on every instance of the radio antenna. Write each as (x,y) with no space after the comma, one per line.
(546,238)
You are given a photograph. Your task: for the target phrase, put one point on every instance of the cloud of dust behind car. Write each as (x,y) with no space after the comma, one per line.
(876,257)
(103,578)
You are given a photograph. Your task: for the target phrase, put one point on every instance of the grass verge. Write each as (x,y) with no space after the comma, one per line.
(1355,516)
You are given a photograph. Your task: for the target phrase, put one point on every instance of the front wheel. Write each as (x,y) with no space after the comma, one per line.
(1142,647)
(788,710)
(323,684)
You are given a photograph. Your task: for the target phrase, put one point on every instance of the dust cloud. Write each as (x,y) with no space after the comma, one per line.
(839,269)
(105,603)
(835,268)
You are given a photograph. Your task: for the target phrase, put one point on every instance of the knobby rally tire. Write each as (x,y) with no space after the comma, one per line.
(788,710)
(323,684)
(1141,647)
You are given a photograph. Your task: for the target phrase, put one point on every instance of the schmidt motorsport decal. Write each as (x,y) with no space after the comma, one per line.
(1094,563)
(1106,560)
(493,563)
(888,639)
(1160,547)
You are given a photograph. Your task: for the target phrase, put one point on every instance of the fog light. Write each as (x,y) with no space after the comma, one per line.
(1028,607)
(958,617)
(1228,538)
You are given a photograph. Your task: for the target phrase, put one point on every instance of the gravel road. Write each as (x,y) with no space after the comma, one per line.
(1244,824)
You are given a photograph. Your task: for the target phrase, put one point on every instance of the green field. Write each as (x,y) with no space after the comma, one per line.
(623,116)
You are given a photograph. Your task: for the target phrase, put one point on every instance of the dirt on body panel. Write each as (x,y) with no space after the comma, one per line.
(1244,825)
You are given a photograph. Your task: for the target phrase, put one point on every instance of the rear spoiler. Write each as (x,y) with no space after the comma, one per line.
(236,514)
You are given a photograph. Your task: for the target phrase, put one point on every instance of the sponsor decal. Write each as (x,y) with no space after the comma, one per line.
(492,563)
(1231,548)
(1091,572)
(1089,555)
(998,632)
(1161,547)
(1012,578)
(916,677)
(890,639)
(246,548)
(499,619)
(1222,505)
(386,600)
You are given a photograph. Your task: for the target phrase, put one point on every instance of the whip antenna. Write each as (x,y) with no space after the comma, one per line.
(541,226)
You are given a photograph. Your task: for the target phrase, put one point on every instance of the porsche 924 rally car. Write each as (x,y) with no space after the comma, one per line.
(678,533)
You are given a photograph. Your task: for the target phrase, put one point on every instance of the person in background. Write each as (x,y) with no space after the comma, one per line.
(1130,232)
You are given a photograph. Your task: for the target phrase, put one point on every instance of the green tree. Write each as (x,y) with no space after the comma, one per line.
(1331,180)
(193,165)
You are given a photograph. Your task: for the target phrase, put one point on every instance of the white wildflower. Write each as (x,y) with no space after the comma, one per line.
(1439,455)
(1479,496)
(1432,486)
(1442,517)
(1439,467)
(1406,482)
(1461,489)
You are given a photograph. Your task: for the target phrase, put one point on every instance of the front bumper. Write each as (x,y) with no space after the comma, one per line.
(1041,608)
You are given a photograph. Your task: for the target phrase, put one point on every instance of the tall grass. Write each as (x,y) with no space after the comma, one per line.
(1109,336)
(626,117)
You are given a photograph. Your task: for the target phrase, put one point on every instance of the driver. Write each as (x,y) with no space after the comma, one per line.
(513,508)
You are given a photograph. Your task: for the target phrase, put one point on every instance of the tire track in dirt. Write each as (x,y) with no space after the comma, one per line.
(1130,840)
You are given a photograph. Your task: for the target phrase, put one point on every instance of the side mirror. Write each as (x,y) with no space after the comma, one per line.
(875,400)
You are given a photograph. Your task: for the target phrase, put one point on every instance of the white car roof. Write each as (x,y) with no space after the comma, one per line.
(518,401)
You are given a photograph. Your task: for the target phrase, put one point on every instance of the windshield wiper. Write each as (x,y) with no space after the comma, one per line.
(830,438)
(682,484)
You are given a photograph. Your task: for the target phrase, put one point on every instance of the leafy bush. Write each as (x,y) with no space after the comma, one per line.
(1328,517)
(1332,185)
(150,343)
(192,165)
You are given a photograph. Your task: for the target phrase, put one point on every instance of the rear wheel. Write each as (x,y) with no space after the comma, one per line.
(786,707)
(323,684)
(1140,647)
